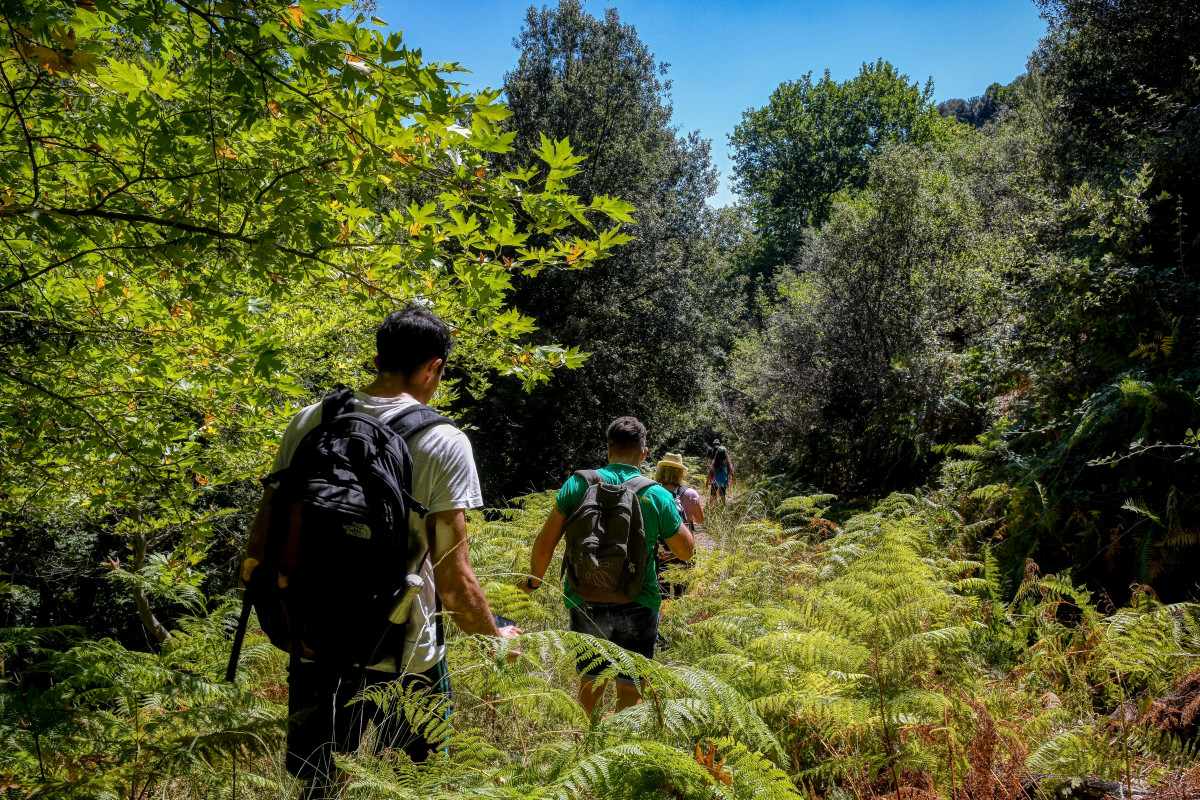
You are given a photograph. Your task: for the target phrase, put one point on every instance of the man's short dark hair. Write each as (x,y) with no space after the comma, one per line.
(409,337)
(626,433)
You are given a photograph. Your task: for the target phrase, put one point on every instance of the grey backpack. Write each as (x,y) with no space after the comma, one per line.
(606,555)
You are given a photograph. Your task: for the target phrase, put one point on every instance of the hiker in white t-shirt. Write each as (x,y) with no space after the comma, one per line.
(412,347)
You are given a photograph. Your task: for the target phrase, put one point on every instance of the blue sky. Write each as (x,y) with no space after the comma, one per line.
(729,56)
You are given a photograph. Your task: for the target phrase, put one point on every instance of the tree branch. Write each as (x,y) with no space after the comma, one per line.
(71,404)
(37,190)
(68,260)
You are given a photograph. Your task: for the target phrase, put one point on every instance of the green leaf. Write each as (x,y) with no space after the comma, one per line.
(125,77)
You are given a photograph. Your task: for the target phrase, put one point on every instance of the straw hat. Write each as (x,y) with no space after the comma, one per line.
(673,460)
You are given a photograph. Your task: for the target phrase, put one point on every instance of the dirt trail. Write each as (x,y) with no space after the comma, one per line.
(703,540)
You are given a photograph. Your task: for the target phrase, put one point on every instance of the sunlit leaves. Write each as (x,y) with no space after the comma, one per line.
(204,212)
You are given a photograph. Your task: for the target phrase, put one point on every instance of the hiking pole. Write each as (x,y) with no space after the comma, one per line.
(238,636)
(247,572)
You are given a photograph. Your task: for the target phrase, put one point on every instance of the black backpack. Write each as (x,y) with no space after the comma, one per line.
(605,558)
(334,563)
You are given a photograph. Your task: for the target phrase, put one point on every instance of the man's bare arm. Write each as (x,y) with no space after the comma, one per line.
(461,594)
(682,544)
(543,546)
(257,541)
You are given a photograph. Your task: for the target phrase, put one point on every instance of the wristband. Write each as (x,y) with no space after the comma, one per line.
(529,582)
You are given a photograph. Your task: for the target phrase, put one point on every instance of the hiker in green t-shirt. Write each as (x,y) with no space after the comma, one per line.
(632,625)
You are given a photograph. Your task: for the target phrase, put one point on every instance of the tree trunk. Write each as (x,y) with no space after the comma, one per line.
(139,594)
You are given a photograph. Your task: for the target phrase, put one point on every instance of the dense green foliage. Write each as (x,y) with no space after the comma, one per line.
(1111,296)
(1032,282)
(806,658)
(868,358)
(198,214)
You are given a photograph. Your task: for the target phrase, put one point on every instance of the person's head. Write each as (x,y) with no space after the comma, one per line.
(670,470)
(627,441)
(412,346)
(716,442)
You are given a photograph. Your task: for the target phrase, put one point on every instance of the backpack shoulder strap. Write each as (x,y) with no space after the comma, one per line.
(416,418)
(639,483)
(680,491)
(408,423)
(335,404)
(589,476)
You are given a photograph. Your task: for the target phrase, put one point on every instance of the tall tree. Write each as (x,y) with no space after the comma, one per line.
(647,316)
(1127,87)
(813,140)
(863,363)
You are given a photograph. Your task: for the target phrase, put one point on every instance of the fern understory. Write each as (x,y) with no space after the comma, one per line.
(874,658)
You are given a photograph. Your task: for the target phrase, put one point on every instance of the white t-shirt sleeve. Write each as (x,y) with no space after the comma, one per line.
(304,421)
(453,480)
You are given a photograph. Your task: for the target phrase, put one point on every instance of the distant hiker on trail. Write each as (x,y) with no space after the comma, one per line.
(712,453)
(612,518)
(670,475)
(720,470)
(362,529)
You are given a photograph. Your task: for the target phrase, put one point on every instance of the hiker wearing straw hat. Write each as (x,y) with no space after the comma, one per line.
(670,474)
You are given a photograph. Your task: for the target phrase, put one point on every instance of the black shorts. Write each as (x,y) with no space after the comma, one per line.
(322,720)
(629,625)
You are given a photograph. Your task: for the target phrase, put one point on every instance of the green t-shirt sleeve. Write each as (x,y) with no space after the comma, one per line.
(570,494)
(668,515)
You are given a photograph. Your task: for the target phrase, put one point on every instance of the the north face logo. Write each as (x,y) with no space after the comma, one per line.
(359,530)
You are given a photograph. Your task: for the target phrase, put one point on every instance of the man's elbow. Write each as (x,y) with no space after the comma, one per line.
(454,587)
(683,546)
(453,599)
(544,548)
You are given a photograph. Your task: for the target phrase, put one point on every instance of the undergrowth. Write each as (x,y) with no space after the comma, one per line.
(807,658)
